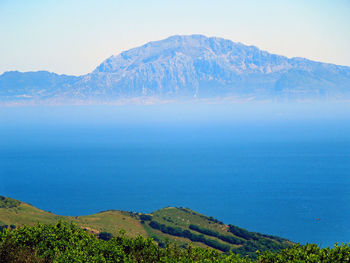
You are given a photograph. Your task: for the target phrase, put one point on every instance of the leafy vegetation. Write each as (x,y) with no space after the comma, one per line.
(226,238)
(191,236)
(144,217)
(66,242)
(6,202)
(109,221)
(188,224)
(181,226)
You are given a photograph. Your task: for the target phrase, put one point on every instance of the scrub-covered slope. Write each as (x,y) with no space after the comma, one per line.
(179,225)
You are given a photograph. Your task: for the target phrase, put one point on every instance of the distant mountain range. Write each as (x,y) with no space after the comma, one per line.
(184,68)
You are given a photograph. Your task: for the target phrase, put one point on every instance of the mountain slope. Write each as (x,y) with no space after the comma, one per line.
(34,86)
(187,67)
(197,66)
(179,225)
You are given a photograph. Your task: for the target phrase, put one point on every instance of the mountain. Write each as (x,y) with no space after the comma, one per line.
(179,225)
(186,67)
(34,86)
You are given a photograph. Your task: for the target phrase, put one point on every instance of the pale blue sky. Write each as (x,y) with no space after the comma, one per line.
(73,37)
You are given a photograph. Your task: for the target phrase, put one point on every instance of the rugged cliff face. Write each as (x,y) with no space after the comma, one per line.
(188,67)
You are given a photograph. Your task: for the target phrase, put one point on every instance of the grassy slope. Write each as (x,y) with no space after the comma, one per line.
(183,217)
(109,221)
(112,222)
(24,214)
(19,213)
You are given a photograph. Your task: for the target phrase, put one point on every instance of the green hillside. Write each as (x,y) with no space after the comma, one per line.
(14,212)
(20,213)
(65,242)
(180,226)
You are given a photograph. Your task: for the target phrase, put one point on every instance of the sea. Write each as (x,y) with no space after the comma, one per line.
(279,169)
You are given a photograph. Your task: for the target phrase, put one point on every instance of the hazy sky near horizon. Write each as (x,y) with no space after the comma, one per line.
(73,37)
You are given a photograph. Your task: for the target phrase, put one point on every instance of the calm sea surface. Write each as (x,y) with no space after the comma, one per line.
(276,175)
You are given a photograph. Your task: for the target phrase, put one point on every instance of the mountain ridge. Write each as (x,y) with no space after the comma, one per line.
(177,224)
(186,67)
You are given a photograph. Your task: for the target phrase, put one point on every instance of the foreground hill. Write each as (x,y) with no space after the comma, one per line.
(181,226)
(185,67)
(65,242)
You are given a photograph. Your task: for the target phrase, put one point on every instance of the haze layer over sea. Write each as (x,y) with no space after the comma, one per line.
(281,169)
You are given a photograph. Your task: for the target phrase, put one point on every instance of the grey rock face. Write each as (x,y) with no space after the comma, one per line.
(189,67)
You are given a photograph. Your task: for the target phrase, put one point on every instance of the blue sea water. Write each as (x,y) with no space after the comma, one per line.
(274,170)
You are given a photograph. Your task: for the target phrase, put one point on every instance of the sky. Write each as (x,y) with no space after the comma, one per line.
(74,36)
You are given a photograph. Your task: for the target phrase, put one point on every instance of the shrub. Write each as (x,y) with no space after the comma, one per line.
(145,217)
(105,236)
(65,242)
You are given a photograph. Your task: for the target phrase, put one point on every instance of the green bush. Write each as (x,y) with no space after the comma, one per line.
(241,232)
(105,236)
(176,231)
(309,253)
(145,217)
(65,242)
(6,202)
(229,239)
